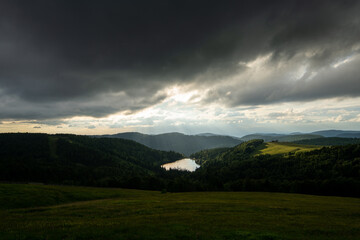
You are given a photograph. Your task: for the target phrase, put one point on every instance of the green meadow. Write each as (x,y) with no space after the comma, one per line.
(59,212)
(274,148)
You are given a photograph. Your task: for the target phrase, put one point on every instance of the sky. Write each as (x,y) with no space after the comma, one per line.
(225,67)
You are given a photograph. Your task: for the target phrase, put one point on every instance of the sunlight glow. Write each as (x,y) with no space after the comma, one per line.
(343,61)
(259,61)
(179,95)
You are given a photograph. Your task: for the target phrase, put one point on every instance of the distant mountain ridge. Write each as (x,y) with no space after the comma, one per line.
(178,142)
(207,134)
(189,144)
(329,141)
(338,133)
(280,137)
(298,136)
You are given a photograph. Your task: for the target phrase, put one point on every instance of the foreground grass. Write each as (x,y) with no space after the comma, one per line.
(274,148)
(33,195)
(135,214)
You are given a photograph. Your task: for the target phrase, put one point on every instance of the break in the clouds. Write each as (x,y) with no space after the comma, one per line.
(63,59)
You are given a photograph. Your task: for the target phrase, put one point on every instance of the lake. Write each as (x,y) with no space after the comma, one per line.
(183,164)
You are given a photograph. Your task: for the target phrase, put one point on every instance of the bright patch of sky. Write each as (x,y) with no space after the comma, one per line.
(177,114)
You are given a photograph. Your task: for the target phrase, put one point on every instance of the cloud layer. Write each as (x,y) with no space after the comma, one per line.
(91,58)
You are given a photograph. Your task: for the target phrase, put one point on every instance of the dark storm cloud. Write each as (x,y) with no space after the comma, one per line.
(13,107)
(46,122)
(94,58)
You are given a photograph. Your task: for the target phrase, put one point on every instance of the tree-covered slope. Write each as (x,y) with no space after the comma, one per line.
(185,144)
(80,160)
(329,170)
(204,155)
(280,137)
(329,141)
(244,149)
(338,133)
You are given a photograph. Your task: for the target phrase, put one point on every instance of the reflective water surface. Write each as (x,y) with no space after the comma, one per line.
(183,164)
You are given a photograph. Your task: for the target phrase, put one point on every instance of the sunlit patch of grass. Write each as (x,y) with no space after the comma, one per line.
(275,148)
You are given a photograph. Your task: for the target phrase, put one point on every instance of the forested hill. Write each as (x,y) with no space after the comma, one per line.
(338,133)
(79,160)
(246,149)
(178,142)
(295,137)
(329,141)
(329,170)
(280,137)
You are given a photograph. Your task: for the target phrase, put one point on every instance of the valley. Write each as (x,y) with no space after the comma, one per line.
(81,187)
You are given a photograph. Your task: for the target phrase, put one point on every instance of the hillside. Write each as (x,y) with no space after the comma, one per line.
(204,155)
(338,133)
(266,137)
(297,136)
(349,135)
(328,170)
(329,141)
(80,160)
(94,213)
(280,137)
(253,148)
(274,148)
(178,142)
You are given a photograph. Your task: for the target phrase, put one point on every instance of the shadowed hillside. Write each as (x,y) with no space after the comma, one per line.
(329,141)
(80,160)
(282,167)
(185,144)
(338,133)
(280,137)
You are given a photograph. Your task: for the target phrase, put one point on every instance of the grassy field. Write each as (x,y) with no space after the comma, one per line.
(274,148)
(57,212)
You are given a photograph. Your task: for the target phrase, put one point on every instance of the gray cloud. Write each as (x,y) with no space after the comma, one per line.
(277,114)
(46,122)
(90,58)
(14,107)
(277,86)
